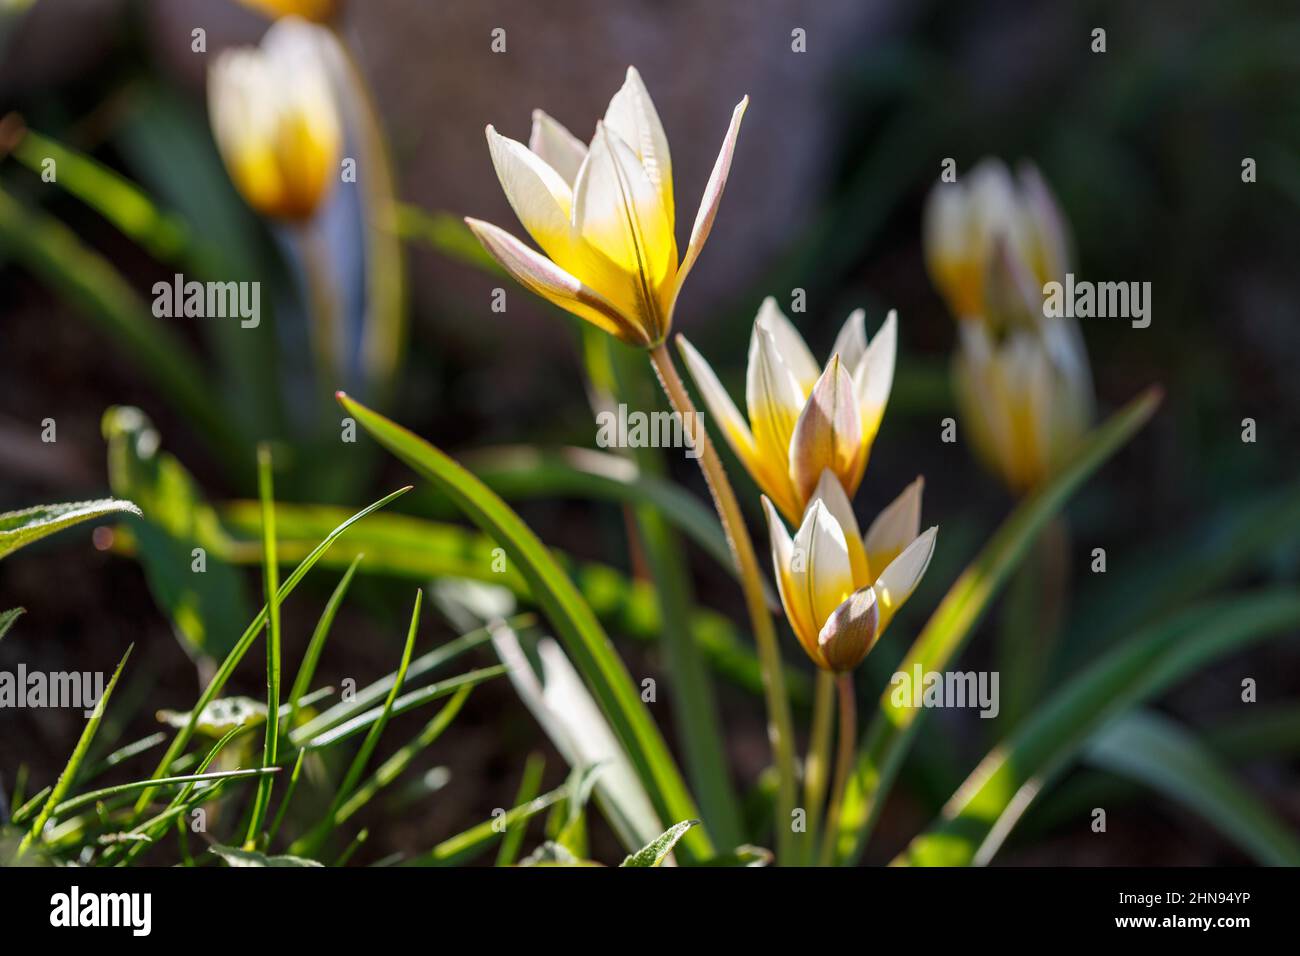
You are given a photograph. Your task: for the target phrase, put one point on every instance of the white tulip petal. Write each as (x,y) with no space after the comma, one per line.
(712,197)
(632,116)
(900,578)
(538,194)
(543,277)
(874,378)
(790,345)
(794,597)
(895,528)
(556,146)
(617,210)
(826,577)
(734,427)
(772,397)
(851,343)
(830,492)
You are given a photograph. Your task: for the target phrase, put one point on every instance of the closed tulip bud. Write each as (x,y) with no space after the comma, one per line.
(837,602)
(276,120)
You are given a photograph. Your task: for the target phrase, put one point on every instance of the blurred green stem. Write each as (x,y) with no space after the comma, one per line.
(325,318)
(819,756)
(780,728)
(843,761)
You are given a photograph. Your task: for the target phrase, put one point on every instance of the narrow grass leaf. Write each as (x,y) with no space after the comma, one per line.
(980,815)
(529,786)
(656,851)
(890,734)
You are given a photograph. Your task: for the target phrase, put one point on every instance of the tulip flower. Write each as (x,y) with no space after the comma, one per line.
(276,120)
(1021,377)
(604,215)
(839,590)
(965,220)
(1022,381)
(802,421)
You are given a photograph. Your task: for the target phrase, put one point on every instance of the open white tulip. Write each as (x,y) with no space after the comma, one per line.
(603,214)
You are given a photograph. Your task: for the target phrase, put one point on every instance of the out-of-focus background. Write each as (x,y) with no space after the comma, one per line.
(1143,144)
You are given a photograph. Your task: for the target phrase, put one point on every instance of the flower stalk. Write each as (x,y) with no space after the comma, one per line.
(780,726)
(843,761)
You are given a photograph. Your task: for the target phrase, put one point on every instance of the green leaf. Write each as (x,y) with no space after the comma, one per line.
(744,855)
(656,851)
(237,857)
(271,583)
(20,528)
(9,618)
(1154,750)
(468,844)
(208,610)
(222,675)
(523,472)
(529,786)
(891,732)
(393,767)
(64,783)
(362,757)
(568,612)
(310,657)
(94,796)
(987,806)
(416,549)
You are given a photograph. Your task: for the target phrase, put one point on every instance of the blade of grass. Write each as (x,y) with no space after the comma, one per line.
(312,841)
(407,702)
(529,786)
(1156,751)
(416,549)
(987,806)
(245,641)
(270,574)
(890,734)
(567,610)
(9,618)
(288,796)
(69,773)
(395,765)
(468,844)
(310,658)
(424,664)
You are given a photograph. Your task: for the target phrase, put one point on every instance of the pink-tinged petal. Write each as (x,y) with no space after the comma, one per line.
(851,631)
(712,194)
(828,434)
(556,146)
(896,584)
(896,527)
(543,277)
(632,116)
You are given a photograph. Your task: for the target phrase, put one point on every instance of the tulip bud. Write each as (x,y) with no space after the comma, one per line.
(851,631)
